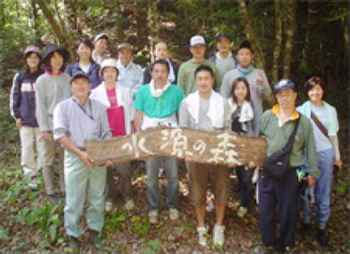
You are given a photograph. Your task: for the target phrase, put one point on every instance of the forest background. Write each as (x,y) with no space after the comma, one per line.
(292,39)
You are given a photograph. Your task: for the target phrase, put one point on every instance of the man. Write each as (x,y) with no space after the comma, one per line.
(186,79)
(258,84)
(206,109)
(161,52)
(100,52)
(130,74)
(224,58)
(75,120)
(157,103)
(277,125)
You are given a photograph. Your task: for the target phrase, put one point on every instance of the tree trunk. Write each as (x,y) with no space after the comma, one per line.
(152,26)
(35,22)
(53,23)
(246,20)
(278,40)
(289,21)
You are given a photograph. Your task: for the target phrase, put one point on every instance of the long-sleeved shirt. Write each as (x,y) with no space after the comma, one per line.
(257,92)
(186,80)
(130,76)
(49,91)
(80,122)
(93,72)
(277,136)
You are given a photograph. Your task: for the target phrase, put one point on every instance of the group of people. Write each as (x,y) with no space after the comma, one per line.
(57,107)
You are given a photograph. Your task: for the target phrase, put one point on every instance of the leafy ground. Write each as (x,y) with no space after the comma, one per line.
(30,224)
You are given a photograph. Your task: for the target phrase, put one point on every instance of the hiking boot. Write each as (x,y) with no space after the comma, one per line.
(219,237)
(129,205)
(173,214)
(54,198)
(153,216)
(95,240)
(322,237)
(74,244)
(242,211)
(108,206)
(202,236)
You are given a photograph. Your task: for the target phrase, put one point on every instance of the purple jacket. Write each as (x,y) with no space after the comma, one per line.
(22,98)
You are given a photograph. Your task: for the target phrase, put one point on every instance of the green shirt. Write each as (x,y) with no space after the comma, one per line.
(304,142)
(166,105)
(186,80)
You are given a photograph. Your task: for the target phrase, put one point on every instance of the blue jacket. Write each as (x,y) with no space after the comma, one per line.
(93,72)
(22,97)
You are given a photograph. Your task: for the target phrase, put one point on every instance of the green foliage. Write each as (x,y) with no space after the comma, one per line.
(154,246)
(342,188)
(141,225)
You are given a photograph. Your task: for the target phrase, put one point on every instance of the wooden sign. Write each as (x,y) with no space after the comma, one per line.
(223,148)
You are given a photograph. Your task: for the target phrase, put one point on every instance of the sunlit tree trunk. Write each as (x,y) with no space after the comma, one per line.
(278,40)
(289,24)
(246,20)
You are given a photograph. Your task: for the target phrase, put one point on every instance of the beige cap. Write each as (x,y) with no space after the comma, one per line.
(109,62)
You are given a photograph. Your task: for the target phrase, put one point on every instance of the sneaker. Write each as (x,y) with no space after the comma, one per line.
(54,198)
(202,236)
(210,206)
(153,216)
(219,237)
(173,214)
(242,211)
(33,184)
(322,237)
(109,206)
(129,205)
(74,244)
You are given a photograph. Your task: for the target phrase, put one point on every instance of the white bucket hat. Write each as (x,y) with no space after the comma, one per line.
(109,62)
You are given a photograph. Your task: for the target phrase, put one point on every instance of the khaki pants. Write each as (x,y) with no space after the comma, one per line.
(32,146)
(50,150)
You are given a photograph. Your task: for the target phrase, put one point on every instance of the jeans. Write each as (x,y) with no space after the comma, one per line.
(322,189)
(171,171)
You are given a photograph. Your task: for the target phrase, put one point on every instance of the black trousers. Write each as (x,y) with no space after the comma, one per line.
(283,195)
(245,185)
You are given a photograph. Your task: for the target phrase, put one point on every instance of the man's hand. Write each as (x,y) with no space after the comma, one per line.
(46,136)
(311,181)
(86,159)
(188,159)
(250,166)
(338,163)
(109,163)
(18,123)
(260,78)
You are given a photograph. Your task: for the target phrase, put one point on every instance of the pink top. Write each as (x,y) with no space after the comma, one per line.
(115,115)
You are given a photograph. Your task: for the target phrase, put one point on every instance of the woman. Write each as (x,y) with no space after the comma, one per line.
(52,87)
(85,62)
(242,116)
(120,113)
(22,108)
(325,127)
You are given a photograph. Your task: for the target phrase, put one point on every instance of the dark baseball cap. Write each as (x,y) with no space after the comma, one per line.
(79,74)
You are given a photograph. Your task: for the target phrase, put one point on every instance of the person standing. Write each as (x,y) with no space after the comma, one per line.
(207,110)
(186,80)
(130,75)
(22,107)
(161,52)
(156,104)
(282,193)
(224,59)
(101,44)
(325,127)
(51,88)
(77,119)
(120,114)
(85,62)
(242,117)
(258,84)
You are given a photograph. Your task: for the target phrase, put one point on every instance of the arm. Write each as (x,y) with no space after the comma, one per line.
(15,100)
(180,79)
(311,153)
(217,79)
(138,120)
(41,109)
(335,143)
(226,85)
